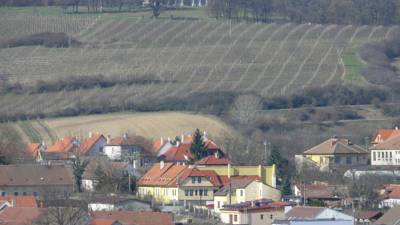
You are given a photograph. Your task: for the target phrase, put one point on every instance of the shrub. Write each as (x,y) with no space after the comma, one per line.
(50,40)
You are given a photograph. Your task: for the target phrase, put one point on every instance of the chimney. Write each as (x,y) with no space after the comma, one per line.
(125,135)
(396,127)
(162,140)
(229,170)
(169,139)
(334,140)
(13,202)
(161,164)
(205,133)
(108,138)
(182,138)
(177,143)
(90,134)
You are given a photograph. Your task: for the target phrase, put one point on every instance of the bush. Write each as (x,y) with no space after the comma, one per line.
(50,40)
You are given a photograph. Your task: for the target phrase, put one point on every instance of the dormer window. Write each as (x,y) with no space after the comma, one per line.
(199,179)
(193,180)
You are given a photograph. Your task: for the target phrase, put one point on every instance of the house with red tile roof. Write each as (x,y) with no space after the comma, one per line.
(389,196)
(213,160)
(332,195)
(135,218)
(367,217)
(387,152)
(105,222)
(93,145)
(34,149)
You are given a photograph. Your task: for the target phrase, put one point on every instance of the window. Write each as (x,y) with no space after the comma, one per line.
(219,204)
(379,155)
(390,155)
(261,216)
(348,160)
(16,193)
(186,192)
(205,192)
(195,192)
(235,218)
(199,180)
(35,193)
(24,193)
(386,154)
(3,193)
(241,192)
(374,156)
(201,192)
(358,159)
(193,180)
(191,192)
(337,159)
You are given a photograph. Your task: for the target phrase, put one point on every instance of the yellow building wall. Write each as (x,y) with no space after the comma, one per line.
(317,159)
(267,173)
(160,194)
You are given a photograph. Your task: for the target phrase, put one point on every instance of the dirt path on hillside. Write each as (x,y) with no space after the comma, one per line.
(22,134)
(46,134)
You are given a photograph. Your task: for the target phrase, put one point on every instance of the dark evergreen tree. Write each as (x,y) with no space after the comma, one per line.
(156,7)
(198,149)
(78,170)
(286,186)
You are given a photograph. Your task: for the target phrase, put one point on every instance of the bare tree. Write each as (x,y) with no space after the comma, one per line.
(63,216)
(246,108)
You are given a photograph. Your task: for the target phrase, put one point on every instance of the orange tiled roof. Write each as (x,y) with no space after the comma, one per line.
(33,149)
(90,142)
(391,191)
(63,145)
(20,201)
(212,160)
(336,146)
(383,134)
(19,215)
(178,153)
(193,172)
(135,218)
(158,144)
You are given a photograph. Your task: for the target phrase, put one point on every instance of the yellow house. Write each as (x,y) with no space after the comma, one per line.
(335,153)
(170,183)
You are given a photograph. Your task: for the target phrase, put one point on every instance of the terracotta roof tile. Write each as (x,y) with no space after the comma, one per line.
(336,146)
(33,149)
(393,143)
(135,218)
(20,201)
(19,215)
(88,143)
(63,145)
(178,153)
(212,160)
(103,222)
(383,134)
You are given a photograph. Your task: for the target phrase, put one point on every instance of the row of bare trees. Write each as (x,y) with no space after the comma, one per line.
(310,11)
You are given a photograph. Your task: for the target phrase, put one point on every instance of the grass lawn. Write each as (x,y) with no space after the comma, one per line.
(397,63)
(353,66)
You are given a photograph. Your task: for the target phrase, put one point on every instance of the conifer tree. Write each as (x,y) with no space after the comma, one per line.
(78,170)
(198,149)
(286,186)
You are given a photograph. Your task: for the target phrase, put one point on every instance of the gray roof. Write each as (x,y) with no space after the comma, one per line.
(391,217)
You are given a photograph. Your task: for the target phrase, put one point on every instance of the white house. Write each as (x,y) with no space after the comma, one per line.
(243,190)
(386,153)
(252,212)
(389,196)
(116,203)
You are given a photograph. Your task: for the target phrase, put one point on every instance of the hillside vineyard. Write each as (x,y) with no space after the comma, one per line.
(185,57)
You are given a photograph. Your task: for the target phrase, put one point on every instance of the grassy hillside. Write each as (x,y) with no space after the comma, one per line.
(151,125)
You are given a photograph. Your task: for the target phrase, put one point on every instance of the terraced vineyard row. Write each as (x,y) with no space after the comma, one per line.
(186,56)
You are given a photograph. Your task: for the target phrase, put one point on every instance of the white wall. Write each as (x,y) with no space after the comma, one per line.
(112,152)
(385,157)
(101,207)
(330,213)
(389,203)
(253,218)
(87,185)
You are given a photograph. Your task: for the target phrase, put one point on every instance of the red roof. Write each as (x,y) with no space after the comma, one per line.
(90,142)
(193,172)
(383,134)
(135,218)
(162,175)
(158,144)
(103,222)
(20,201)
(33,149)
(19,215)
(391,191)
(179,153)
(367,215)
(212,160)
(63,145)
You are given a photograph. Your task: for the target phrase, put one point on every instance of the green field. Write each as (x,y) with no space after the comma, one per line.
(354,66)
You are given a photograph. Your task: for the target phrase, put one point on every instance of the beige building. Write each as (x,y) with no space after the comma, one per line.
(244,189)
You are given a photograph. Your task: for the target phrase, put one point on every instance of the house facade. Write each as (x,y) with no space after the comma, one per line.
(243,189)
(41,181)
(336,153)
(386,153)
